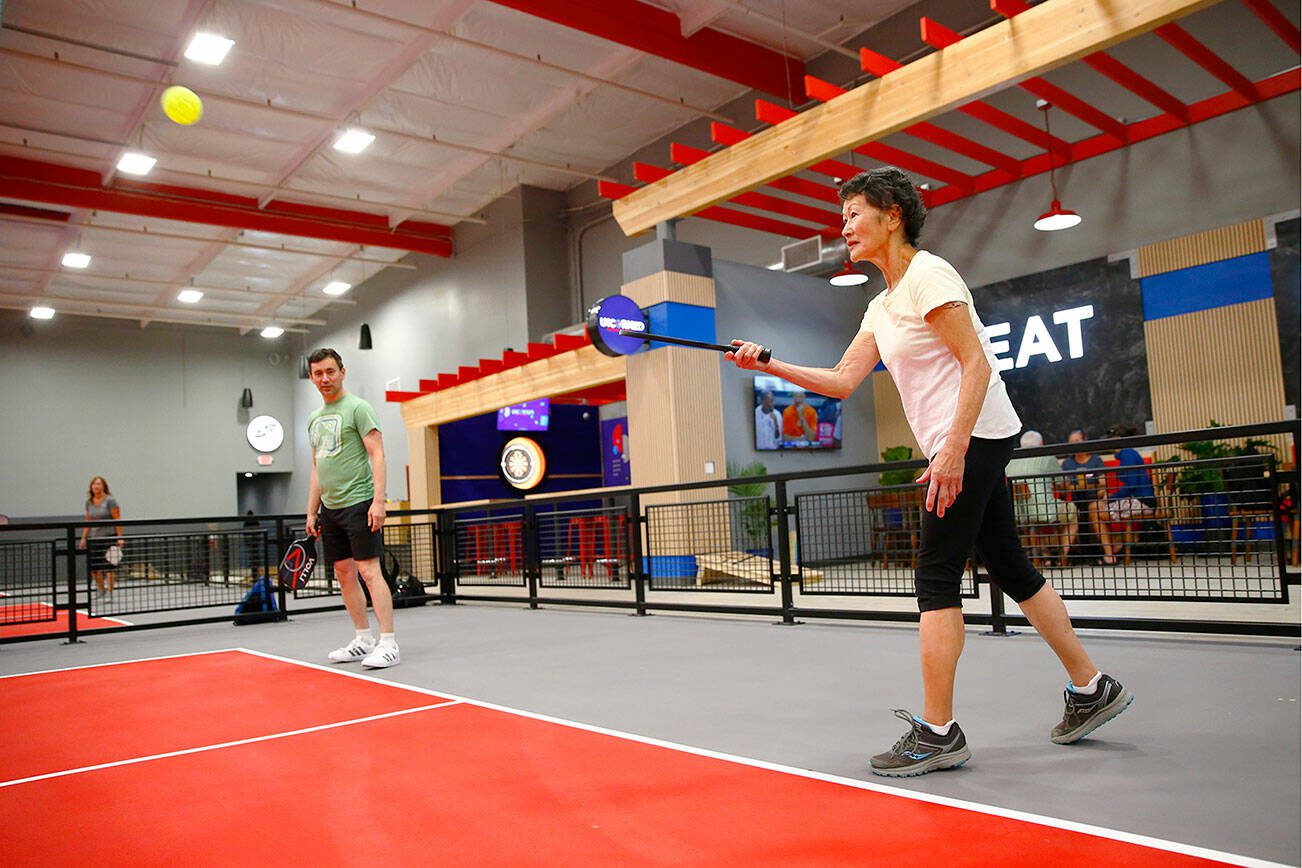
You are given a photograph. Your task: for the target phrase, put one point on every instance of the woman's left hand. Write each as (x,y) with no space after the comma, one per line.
(944,479)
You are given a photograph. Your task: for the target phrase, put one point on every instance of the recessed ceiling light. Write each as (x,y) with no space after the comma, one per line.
(76,260)
(42,312)
(336,287)
(134,163)
(208,48)
(189,296)
(354,141)
(272,331)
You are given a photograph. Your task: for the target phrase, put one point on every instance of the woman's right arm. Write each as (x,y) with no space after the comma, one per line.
(835,382)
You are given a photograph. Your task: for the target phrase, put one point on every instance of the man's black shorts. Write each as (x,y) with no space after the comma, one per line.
(345,534)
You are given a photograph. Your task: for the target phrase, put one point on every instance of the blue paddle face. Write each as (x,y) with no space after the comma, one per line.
(605,320)
(297,565)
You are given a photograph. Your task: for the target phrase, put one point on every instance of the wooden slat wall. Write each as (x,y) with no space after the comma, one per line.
(892,428)
(1202,247)
(1221,364)
(671,286)
(675,421)
(423,466)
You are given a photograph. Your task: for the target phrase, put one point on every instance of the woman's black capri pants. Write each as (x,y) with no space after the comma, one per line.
(981,517)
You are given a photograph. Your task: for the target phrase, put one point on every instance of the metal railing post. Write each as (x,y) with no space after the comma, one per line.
(71,538)
(784,552)
(529,530)
(635,549)
(281,545)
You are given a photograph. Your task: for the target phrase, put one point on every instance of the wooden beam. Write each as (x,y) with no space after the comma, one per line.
(566,372)
(1041,39)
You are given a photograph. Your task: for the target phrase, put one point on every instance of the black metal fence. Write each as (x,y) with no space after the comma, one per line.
(1220,530)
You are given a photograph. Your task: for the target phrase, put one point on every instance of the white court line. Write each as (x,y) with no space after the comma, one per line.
(225,744)
(992,810)
(87,613)
(122,662)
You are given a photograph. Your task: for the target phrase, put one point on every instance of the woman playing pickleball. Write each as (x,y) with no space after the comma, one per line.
(925,329)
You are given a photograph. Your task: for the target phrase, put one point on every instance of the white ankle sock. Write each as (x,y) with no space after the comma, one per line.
(1092,686)
(938,730)
(387,638)
(365,634)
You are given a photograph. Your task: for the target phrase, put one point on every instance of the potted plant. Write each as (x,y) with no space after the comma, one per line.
(893,503)
(754,514)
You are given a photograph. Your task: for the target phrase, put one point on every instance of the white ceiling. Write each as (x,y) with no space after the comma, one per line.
(467,98)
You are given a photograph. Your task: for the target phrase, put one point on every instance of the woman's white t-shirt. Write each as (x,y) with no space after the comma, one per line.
(926,373)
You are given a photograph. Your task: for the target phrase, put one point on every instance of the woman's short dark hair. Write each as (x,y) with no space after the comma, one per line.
(322,354)
(886,186)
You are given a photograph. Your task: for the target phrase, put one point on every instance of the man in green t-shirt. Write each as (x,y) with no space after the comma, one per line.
(348,490)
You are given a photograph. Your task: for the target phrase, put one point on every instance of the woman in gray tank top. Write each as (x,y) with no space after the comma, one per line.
(101,506)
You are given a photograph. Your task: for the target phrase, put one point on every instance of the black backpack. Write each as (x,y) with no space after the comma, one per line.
(258,605)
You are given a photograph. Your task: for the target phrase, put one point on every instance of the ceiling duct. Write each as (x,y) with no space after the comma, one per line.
(812,256)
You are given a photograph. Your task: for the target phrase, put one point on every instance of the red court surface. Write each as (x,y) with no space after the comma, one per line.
(58,625)
(458,783)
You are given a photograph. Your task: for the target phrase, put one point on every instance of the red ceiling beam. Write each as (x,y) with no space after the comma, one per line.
(53,184)
(774,114)
(939,36)
(881,65)
(1179,38)
(824,91)
(656,31)
(1275,86)
(1276,21)
(685,155)
(1099,61)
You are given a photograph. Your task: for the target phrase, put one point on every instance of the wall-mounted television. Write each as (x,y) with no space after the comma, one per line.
(789,417)
(529,416)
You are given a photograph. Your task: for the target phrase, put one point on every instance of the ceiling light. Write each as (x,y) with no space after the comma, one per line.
(336,287)
(354,141)
(208,48)
(76,260)
(189,296)
(1057,217)
(42,312)
(134,163)
(272,331)
(847,276)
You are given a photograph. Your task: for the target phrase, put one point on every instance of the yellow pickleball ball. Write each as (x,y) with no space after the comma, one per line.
(182,105)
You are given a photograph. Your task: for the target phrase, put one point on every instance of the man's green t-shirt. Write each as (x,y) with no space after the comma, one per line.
(343,469)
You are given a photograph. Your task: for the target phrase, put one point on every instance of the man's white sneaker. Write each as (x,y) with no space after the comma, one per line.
(354,650)
(383,656)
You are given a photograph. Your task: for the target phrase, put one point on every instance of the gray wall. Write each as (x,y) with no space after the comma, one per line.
(804,320)
(155,411)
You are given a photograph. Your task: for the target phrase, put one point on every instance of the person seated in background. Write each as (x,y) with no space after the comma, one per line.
(1038,509)
(1131,471)
(799,421)
(1087,490)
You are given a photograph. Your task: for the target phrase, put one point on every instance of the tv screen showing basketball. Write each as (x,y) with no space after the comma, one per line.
(789,417)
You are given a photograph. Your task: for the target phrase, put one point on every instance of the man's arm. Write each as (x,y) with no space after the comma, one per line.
(374,443)
(313,498)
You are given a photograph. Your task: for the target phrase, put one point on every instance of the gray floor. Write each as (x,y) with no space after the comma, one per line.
(1208,755)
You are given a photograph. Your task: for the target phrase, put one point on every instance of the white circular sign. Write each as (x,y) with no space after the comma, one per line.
(265,433)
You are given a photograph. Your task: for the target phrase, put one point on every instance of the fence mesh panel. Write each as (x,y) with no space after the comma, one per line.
(490,549)
(584,548)
(863,542)
(410,550)
(717,545)
(28,581)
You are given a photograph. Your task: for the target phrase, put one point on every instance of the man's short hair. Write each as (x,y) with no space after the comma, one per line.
(325,353)
(1031,438)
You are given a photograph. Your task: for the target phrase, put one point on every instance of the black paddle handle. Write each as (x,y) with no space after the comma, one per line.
(764,356)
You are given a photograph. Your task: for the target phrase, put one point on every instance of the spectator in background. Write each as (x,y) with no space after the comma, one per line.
(1132,471)
(799,421)
(101,506)
(768,423)
(1088,491)
(1034,501)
